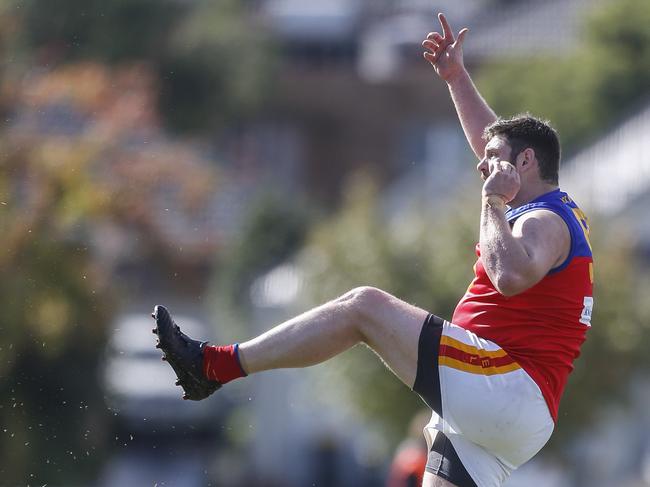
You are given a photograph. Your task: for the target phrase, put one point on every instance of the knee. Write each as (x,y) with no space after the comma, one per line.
(366,300)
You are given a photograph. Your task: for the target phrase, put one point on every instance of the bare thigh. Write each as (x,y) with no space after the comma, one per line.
(391,327)
(431,480)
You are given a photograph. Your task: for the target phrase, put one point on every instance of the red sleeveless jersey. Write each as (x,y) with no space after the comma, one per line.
(543,327)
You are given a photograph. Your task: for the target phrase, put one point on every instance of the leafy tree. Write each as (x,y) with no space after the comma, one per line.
(218,68)
(213,63)
(54,311)
(73,162)
(118,30)
(275,230)
(82,90)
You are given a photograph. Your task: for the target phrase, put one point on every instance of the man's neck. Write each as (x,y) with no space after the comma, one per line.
(528,194)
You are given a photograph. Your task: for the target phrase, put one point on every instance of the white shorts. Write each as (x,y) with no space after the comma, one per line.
(493,413)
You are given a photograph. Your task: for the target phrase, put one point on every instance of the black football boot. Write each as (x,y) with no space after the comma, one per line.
(184,355)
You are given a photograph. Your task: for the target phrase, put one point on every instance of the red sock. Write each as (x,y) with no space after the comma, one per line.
(222,363)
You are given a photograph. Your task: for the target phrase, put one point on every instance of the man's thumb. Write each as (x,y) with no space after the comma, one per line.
(461,37)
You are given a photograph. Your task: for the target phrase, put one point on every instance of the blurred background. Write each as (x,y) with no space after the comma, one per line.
(243,160)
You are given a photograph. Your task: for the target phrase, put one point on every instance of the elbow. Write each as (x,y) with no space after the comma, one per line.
(509,285)
(507,292)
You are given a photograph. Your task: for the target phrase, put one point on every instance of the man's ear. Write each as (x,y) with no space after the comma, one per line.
(527,159)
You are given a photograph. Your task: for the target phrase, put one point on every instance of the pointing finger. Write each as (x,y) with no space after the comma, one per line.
(446,29)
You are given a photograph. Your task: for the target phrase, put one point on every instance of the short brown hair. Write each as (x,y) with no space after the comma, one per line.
(523,131)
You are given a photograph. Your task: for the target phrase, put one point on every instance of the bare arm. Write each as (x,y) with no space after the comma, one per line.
(473,112)
(518,258)
(445,53)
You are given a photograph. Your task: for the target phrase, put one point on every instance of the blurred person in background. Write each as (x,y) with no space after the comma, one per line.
(494,375)
(407,468)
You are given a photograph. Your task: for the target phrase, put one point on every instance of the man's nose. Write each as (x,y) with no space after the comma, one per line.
(483,168)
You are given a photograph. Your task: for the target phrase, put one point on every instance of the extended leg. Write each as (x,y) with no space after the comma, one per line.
(386,324)
(389,326)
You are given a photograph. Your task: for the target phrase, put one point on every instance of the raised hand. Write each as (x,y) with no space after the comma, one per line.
(445,52)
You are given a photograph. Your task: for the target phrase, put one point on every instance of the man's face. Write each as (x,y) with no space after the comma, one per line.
(497,149)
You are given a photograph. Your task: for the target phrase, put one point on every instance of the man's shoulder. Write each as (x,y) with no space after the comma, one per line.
(542,221)
(541,213)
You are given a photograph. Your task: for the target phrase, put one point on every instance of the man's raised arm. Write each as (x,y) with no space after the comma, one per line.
(445,53)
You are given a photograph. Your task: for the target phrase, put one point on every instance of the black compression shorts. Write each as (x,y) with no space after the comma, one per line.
(442,460)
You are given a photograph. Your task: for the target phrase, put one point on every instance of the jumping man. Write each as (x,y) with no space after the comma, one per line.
(493,375)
